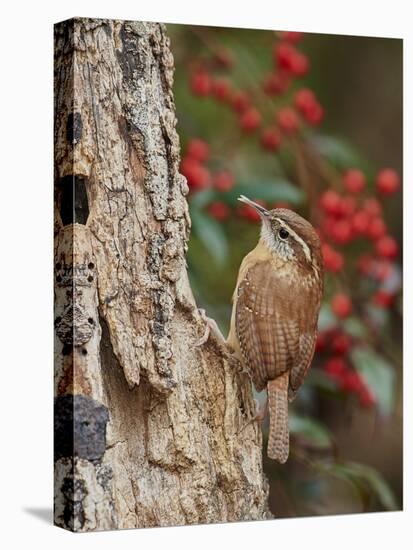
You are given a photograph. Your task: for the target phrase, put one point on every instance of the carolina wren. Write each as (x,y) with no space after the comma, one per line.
(275,312)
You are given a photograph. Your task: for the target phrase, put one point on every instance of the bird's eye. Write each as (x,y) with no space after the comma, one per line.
(283,233)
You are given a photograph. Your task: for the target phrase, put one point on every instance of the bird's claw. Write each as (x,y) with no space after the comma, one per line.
(228,353)
(210,326)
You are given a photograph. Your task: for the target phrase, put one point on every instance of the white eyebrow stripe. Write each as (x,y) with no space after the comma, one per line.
(296,237)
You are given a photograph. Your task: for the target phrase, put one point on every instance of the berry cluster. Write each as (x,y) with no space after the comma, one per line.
(196,171)
(200,177)
(193,165)
(346,218)
(287,118)
(337,344)
(349,215)
(296,109)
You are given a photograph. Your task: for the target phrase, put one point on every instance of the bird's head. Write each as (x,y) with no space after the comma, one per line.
(288,235)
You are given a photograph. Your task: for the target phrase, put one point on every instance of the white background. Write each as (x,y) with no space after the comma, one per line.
(26,281)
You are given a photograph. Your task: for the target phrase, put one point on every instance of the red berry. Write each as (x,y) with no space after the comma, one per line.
(347,206)
(341,231)
(333,260)
(336,367)
(221,89)
(360,222)
(292,36)
(219,210)
(330,202)
(290,59)
(240,102)
(283,53)
(288,120)
(223,180)
(198,149)
(197,175)
(306,102)
(201,83)
(351,382)
(321,342)
(304,99)
(271,139)
(250,120)
(276,83)
(383,299)
(387,181)
(314,115)
(386,247)
(366,397)
(354,181)
(340,343)
(299,64)
(341,305)
(376,228)
(372,207)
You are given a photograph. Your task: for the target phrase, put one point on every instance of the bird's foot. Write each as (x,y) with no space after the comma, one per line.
(210,327)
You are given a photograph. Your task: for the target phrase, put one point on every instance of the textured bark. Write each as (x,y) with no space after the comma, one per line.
(149,429)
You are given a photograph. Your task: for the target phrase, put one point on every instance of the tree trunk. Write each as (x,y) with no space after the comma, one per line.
(150,430)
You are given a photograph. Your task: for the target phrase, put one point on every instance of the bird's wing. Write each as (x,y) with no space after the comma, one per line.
(300,368)
(307,341)
(267,323)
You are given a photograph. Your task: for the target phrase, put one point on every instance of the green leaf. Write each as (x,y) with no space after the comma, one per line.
(202,198)
(378,316)
(359,473)
(378,374)
(355,328)
(319,379)
(271,191)
(338,151)
(310,430)
(211,234)
(326,319)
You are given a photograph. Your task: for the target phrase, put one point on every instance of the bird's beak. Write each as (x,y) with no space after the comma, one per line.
(260,209)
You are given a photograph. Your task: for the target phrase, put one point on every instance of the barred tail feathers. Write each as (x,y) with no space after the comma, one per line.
(278,438)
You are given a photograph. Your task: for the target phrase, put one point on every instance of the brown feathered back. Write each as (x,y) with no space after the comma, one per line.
(276,325)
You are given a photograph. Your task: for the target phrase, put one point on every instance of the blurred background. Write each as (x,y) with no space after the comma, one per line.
(314,123)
